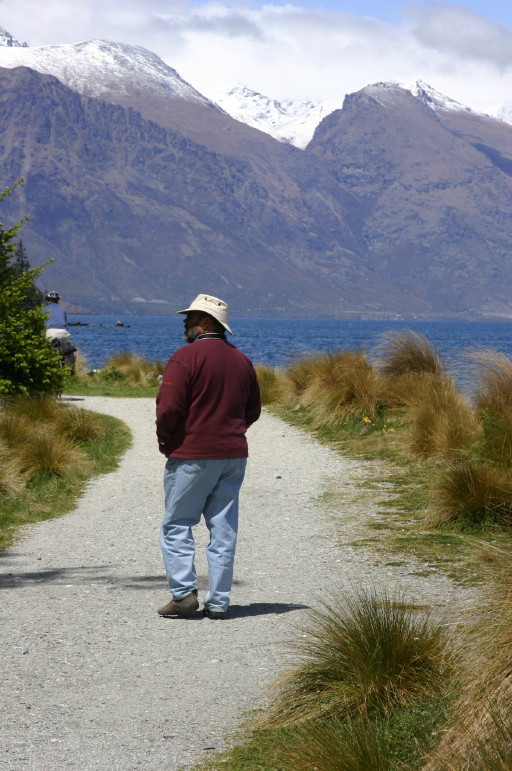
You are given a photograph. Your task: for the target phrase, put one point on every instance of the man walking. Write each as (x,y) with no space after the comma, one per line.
(208,397)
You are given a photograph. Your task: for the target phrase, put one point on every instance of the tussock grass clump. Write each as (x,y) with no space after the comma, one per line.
(358,745)
(81,366)
(401,353)
(46,451)
(35,409)
(80,425)
(407,363)
(341,385)
(301,372)
(442,422)
(272,384)
(473,492)
(495,443)
(133,369)
(492,372)
(365,653)
(480,735)
(14,427)
(11,482)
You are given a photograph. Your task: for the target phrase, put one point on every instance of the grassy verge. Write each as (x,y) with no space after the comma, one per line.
(48,495)
(124,375)
(442,467)
(377,744)
(401,529)
(94,386)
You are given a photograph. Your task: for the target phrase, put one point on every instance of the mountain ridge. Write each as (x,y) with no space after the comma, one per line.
(397,206)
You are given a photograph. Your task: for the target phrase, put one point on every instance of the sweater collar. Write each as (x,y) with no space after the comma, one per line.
(211,336)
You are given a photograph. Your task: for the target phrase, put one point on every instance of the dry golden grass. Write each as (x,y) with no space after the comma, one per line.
(340,385)
(401,353)
(273,384)
(442,422)
(349,745)
(480,737)
(300,372)
(135,369)
(49,452)
(80,425)
(492,373)
(36,409)
(14,427)
(81,366)
(407,363)
(362,653)
(473,491)
(11,482)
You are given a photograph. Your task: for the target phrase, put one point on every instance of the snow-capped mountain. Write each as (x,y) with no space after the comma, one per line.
(101,69)
(7,40)
(295,121)
(435,99)
(290,121)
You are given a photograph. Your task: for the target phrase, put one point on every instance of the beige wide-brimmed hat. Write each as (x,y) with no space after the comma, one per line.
(213,306)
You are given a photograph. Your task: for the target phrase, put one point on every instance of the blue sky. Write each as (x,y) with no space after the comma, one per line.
(498,10)
(299,49)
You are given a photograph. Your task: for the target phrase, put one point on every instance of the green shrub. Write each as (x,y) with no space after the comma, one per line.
(28,363)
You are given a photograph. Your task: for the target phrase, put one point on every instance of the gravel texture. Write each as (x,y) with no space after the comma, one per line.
(93,678)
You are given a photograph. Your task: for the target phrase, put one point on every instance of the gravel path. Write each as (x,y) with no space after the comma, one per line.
(92,678)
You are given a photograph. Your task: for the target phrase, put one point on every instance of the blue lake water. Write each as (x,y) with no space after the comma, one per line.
(278,341)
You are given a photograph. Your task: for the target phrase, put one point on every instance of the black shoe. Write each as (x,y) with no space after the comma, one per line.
(213,614)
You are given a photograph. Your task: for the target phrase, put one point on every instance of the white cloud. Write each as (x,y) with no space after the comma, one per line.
(461,32)
(289,51)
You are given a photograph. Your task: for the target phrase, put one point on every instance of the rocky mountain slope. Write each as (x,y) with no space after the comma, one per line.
(140,215)
(144,190)
(435,187)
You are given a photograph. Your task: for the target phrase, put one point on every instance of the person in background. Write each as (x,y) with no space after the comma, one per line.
(57,321)
(208,398)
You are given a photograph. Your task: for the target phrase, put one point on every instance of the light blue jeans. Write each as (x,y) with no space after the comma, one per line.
(192,488)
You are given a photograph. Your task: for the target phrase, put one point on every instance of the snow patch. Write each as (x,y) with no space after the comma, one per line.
(291,121)
(99,67)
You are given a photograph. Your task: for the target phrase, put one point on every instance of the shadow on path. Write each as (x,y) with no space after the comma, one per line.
(96,574)
(245,611)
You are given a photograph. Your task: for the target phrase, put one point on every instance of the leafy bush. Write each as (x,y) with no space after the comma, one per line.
(28,363)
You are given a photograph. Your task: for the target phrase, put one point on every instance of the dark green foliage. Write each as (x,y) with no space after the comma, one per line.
(28,363)
(21,265)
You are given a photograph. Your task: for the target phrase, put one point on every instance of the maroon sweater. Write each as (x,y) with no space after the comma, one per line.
(208,397)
